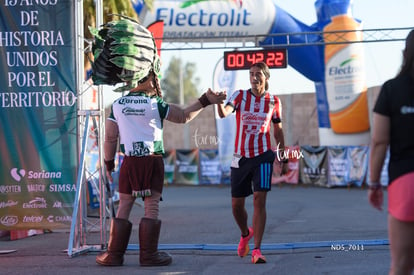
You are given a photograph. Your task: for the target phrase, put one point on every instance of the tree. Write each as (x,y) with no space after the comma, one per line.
(171,82)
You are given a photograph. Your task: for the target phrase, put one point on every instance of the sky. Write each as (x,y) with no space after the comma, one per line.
(382,59)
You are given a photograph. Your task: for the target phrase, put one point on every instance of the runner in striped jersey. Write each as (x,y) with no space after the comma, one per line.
(252,165)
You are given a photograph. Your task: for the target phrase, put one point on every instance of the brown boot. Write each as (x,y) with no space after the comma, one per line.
(118,242)
(149,233)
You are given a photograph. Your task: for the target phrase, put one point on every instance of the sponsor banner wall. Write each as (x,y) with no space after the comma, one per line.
(327,166)
(38,126)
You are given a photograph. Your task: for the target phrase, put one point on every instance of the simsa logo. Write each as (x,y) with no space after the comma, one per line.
(18,174)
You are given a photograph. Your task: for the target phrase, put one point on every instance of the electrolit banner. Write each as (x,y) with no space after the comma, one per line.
(199,19)
(336,69)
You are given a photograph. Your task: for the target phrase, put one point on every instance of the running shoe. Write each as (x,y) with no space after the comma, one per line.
(257,257)
(244,248)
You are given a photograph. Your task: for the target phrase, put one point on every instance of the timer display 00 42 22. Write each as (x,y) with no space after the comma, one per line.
(243,60)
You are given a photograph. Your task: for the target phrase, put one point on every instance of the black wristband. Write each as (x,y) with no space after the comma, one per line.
(204,100)
(110,165)
(285,161)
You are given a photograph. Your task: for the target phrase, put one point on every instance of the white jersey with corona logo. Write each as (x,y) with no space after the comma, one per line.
(140,123)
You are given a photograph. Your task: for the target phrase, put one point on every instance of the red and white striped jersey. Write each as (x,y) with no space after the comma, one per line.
(253,116)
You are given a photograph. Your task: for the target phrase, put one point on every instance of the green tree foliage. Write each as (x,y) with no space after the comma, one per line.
(171,82)
(123,7)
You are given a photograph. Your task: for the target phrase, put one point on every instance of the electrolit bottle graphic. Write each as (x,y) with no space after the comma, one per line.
(345,76)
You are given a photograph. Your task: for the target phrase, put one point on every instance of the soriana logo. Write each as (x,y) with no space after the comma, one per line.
(19,174)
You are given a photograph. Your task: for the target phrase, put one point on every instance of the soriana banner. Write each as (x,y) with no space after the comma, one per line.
(38,127)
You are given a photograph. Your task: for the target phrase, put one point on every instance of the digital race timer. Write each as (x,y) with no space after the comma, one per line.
(243,60)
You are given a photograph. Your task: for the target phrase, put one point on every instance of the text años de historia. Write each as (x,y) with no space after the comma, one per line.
(30,80)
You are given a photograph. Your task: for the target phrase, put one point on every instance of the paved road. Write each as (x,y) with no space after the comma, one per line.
(310,230)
